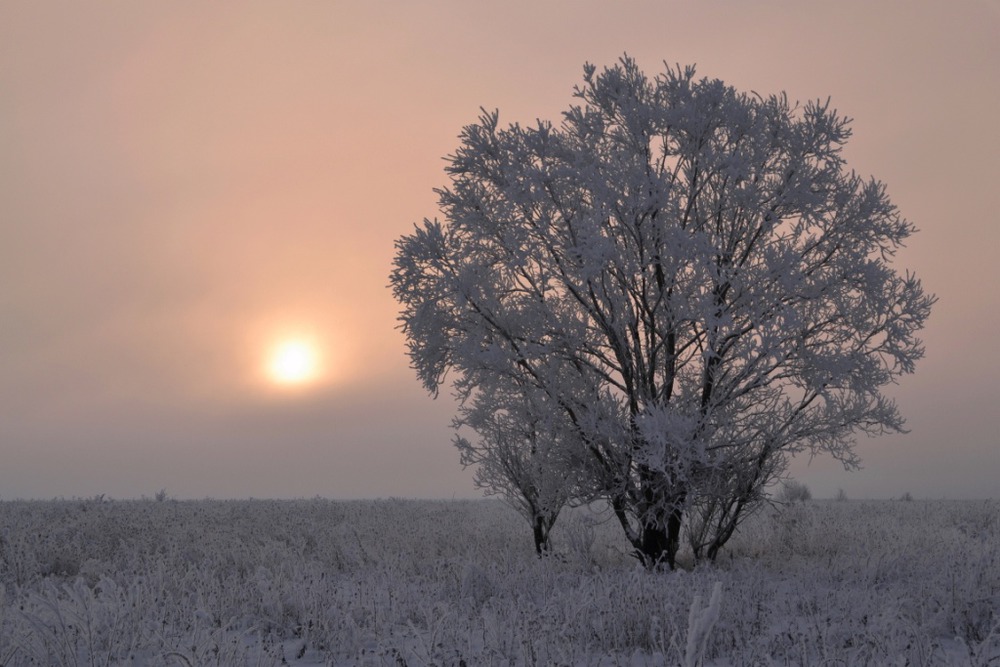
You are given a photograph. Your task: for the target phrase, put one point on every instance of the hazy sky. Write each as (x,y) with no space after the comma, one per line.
(185,184)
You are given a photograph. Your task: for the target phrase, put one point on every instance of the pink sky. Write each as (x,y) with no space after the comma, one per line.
(183,183)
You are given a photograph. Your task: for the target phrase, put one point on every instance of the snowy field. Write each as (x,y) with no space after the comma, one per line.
(316,582)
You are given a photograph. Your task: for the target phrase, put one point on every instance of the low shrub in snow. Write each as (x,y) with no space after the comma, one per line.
(792,491)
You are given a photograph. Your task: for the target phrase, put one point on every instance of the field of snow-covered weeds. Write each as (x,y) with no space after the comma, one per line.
(450,583)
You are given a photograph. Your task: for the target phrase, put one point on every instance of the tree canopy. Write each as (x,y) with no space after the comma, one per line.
(687,279)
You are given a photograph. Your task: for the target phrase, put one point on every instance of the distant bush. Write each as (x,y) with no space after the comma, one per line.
(841,496)
(906,497)
(792,492)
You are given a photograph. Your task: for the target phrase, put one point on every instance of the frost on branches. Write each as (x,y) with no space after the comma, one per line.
(522,451)
(659,300)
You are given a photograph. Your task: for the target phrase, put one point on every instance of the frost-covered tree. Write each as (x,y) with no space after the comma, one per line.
(520,453)
(690,275)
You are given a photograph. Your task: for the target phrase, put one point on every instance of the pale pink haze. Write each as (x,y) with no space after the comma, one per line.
(189,191)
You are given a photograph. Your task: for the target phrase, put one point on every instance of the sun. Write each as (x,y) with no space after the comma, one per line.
(294,362)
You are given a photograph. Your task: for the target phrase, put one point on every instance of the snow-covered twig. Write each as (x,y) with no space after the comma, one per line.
(701,620)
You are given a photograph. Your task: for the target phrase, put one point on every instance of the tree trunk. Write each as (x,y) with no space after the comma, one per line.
(541,536)
(661,521)
(654,546)
(660,541)
(674,535)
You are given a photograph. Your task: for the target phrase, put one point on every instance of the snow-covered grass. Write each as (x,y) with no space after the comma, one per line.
(394,582)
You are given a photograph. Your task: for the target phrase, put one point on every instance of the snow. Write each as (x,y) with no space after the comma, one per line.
(393,582)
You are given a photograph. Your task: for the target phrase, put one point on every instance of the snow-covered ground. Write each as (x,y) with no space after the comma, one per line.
(394,582)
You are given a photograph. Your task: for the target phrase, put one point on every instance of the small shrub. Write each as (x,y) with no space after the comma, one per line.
(792,492)
(906,497)
(841,496)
